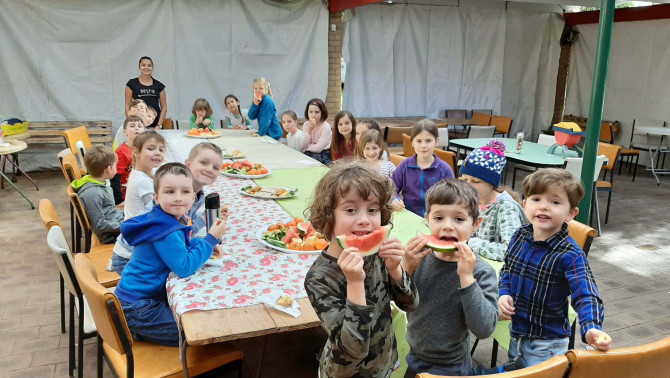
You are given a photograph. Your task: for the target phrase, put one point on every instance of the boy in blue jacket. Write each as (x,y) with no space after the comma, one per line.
(162,241)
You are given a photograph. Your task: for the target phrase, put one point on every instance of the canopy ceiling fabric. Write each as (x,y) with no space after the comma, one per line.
(638,81)
(73,62)
(414,60)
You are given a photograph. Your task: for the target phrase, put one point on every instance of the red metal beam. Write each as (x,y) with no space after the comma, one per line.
(653,12)
(340,5)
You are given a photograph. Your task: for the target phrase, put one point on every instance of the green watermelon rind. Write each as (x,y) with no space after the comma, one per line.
(342,243)
(440,248)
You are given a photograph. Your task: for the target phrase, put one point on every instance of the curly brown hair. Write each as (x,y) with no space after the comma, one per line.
(343,176)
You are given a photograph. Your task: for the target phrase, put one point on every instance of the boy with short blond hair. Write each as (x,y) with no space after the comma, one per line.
(96,197)
(543,267)
(458,290)
(204,161)
(162,244)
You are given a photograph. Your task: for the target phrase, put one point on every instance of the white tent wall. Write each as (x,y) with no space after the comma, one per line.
(412,60)
(638,81)
(74,60)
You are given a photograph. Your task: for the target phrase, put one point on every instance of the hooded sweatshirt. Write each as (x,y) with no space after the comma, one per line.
(98,202)
(162,244)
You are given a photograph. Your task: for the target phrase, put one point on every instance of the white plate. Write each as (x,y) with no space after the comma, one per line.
(267,192)
(250,177)
(259,236)
(205,136)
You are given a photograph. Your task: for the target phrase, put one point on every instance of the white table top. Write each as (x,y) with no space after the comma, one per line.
(653,130)
(269,152)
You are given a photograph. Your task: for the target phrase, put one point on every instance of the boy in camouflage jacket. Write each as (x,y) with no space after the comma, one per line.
(350,293)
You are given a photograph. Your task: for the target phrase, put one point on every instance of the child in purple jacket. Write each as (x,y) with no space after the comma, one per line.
(416,174)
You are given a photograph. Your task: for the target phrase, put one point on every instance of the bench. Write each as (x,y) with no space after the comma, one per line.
(47,136)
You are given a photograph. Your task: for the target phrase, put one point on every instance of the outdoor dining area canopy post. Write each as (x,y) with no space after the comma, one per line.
(596,108)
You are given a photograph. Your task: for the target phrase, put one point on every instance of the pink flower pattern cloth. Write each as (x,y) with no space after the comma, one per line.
(250,270)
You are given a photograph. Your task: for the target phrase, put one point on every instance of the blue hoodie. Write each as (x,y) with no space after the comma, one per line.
(266,113)
(162,244)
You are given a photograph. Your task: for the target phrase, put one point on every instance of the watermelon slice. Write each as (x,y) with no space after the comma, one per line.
(439,245)
(291,233)
(367,244)
(306,229)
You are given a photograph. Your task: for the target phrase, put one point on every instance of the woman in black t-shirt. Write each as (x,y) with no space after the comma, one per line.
(146,88)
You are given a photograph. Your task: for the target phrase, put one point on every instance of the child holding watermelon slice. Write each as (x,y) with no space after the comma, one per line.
(458,290)
(501,214)
(543,267)
(351,293)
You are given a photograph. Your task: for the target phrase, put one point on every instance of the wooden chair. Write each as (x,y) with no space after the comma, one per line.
(457,113)
(502,124)
(78,141)
(407,148)
(396,159)
(393,135)
(86,325)
(98,253)
(167,124)
(612,152)
(459,131)
(50,219)
(556,367)
(71,171)
(127,357)
(448,157)
(647,360)
(481,118)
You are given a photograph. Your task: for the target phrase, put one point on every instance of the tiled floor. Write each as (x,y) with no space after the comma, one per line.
(630,262)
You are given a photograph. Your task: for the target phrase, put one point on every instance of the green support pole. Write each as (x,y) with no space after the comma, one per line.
(596,108)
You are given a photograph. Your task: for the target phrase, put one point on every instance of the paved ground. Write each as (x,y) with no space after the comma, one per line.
(629,262)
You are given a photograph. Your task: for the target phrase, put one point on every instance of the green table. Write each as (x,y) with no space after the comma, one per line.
(532,154)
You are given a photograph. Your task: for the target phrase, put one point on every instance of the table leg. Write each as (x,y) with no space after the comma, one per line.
(260,363)
(17,189)
(651,157)
(17,168)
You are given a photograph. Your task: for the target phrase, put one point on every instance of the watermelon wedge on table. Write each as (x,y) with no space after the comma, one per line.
(366,244)
(439,245)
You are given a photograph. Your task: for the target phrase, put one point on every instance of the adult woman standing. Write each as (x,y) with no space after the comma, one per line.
(146,88)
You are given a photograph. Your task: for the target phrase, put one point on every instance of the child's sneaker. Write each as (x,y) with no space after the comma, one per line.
(511,365)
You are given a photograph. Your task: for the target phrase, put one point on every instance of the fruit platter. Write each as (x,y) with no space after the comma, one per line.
(368,244)
(268,192)
(237,154)
(296,236)
(205,133)
(244,169)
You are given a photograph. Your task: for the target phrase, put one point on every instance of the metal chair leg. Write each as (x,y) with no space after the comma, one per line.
(494,353)
(80,347)
(637,159)
(597,209)
(62,304)
(71,336)
(609,201)
(100,356)
(474,346)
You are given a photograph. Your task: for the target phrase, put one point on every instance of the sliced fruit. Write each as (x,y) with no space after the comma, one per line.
(320,244)
(439,245)
(291,233)
(366,244)
(305,228)
(308,246)
(296,244)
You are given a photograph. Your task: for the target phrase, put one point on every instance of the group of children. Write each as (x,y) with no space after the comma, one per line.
(152,232)
(544,269)
(448,295)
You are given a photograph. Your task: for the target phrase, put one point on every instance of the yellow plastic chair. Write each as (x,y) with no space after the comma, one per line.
(127,357)
(648,360)
(481,119)
(50,219)
(502,124)
(612,152)
(396,159)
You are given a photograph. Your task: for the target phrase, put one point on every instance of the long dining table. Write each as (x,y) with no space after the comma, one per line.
(532,154)
(224,303)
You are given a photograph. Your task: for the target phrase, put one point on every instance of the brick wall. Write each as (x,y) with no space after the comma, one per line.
(333,98)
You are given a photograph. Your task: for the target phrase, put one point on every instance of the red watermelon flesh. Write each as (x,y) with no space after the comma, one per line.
(440,245)
(367,244)
(306,229)
(291,233)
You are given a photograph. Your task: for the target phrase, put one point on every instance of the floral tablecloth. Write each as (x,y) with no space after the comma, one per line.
(249,269)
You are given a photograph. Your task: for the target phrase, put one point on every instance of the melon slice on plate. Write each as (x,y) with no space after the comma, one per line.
(367,244)
(439,245)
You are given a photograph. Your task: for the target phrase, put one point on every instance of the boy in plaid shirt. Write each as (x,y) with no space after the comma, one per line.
(544,266)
